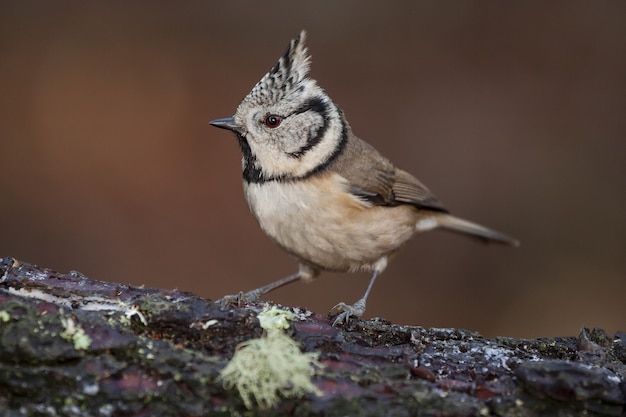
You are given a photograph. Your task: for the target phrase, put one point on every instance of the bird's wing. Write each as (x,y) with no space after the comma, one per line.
(375,180)
(408,189)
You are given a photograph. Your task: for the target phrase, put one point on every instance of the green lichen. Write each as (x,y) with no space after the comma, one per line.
(265,369)
(268,367)
(275,319)
(4,316)
(75,334)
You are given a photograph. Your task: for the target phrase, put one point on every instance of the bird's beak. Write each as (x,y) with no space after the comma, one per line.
(226,123)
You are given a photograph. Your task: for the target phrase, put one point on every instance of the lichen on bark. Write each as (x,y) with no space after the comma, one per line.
(159,352)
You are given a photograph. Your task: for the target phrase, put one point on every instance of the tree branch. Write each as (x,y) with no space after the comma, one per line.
(73,346)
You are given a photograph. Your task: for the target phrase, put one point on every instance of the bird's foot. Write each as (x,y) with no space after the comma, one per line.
(346,311)
(239,299)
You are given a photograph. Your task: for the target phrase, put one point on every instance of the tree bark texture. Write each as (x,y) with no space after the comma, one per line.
(73,346)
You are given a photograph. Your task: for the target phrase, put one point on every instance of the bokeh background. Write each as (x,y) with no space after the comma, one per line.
(513,113)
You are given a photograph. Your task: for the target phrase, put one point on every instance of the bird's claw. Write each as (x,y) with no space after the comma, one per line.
(239,299)
(346,311)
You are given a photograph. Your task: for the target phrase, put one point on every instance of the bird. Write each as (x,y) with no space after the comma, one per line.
(326,197)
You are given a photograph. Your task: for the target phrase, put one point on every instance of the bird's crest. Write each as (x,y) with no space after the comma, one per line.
(285,77)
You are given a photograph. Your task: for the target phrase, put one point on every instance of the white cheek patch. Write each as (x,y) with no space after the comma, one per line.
(428,223)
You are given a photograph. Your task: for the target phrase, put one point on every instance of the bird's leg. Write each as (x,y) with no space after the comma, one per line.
(254,295)
(305,273)
(357,309)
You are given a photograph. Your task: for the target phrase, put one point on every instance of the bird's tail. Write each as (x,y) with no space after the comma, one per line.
(457,225)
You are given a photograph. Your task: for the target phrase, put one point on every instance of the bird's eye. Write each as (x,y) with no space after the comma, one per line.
(273,121)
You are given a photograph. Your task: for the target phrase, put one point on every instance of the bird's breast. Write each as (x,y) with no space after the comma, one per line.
(318,221)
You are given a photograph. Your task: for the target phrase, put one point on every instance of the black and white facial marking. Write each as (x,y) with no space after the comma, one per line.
(290,127)
(316,133)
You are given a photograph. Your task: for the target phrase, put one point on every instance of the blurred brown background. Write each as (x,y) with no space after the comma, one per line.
(513,113)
